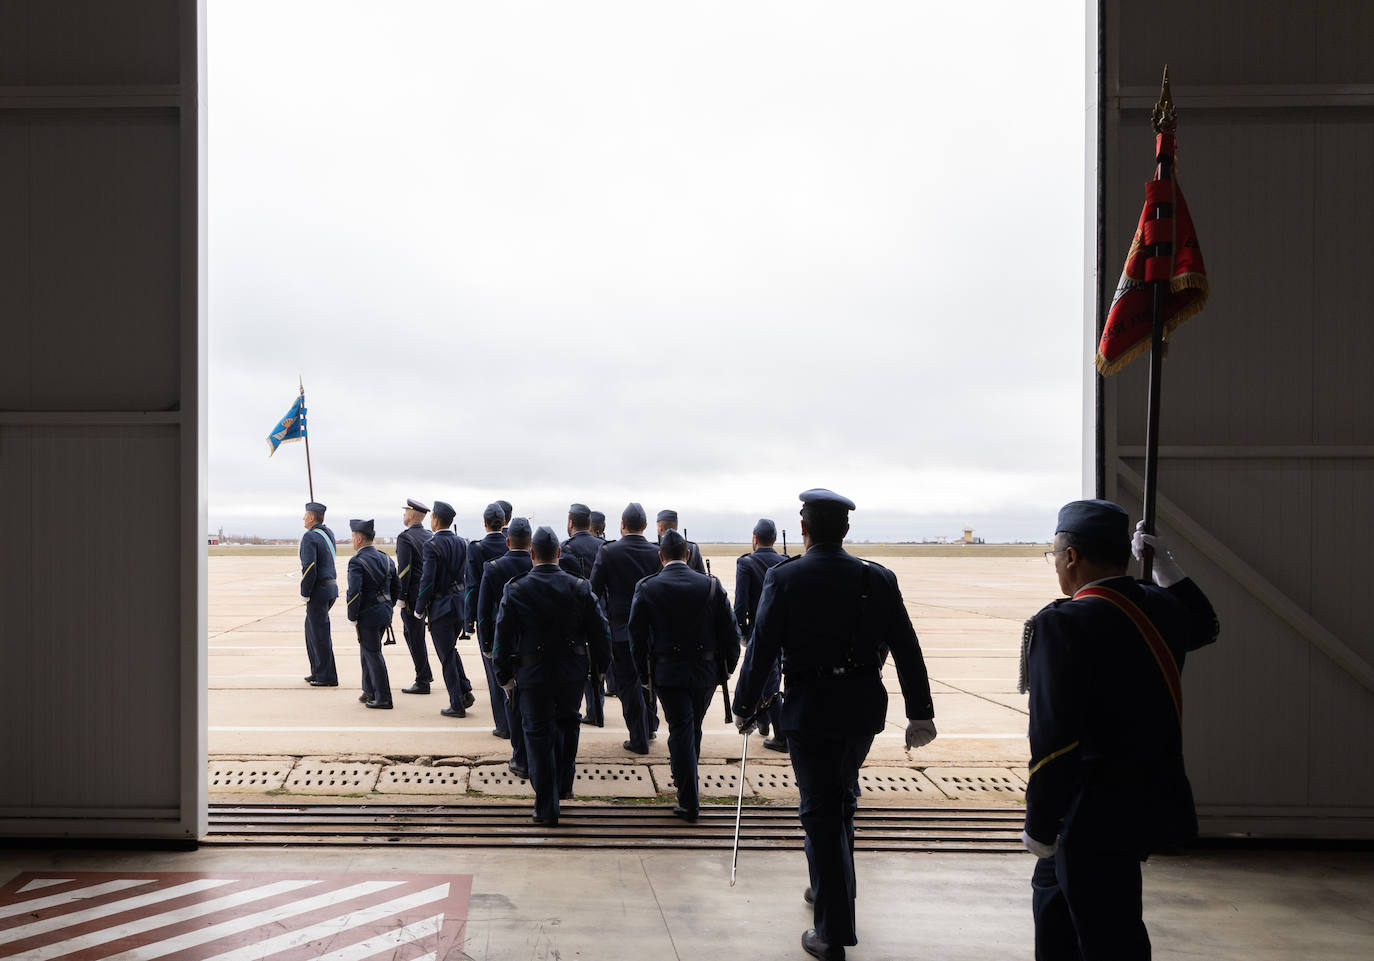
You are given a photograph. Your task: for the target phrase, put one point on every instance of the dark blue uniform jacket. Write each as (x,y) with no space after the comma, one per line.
(372,587)
(682,619)
(317,562)
(1103,724)
(834,642)
(441,577)
(489,548)
(410,557)
(548,626)
(584,547)
(495,575)
(750,570)
(619,567)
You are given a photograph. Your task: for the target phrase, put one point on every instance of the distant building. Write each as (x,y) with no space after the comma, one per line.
(969,538)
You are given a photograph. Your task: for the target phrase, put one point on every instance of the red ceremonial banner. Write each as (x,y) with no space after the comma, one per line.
(1130,320)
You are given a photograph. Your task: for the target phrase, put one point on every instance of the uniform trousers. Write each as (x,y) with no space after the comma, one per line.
(499,715)
(319,645)
(595,694)
(826,766)
(552,726)
(684,708)
(639,710)
(414,630)
(445,635)
(375,680)
(1086,900)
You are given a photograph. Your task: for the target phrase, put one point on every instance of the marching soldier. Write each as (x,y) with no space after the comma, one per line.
(440,597)
(373,587)
(489,548)
(667,521)
(750,570)
(833,618)
(581,548)
(506,510)
(618,568)
(549,634)
(1107,783)
(320,588)
(495,575)
(684,643)
(598,526)
(410,554)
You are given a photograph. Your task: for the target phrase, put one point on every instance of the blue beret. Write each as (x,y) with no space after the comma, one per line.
(579,512)
(519,528)
(415,505)
(365,528)
(766,530)
(444,512)
(1101,522)
(545,540)
(315,507)
(820,497)
(505,509)
(493,515)
(669,516)
(672,542)
(633,515)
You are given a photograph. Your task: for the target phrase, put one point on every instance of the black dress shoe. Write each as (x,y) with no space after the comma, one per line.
(450,712)
(809,895)
(817,948)
(681,812)
(310,677)
(546,822)
(416,688)
(629,746)
(379,705)
(468,700)
(364,697)
(518,771)
(776,744)
(503,735)
(324,683)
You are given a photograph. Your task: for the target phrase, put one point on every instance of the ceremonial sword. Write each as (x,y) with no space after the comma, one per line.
(739,803)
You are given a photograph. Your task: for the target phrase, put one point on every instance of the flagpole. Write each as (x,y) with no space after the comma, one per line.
(1164,120)
(305,435)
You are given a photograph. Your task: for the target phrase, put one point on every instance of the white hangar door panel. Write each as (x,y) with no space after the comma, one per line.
(101,419)
(1267,464)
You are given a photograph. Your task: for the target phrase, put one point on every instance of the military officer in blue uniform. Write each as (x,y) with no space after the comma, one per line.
(495,575)
(410,553)
(580,543)
(684,642)
(750,570)
(833,618)
(598,530)
(320,588)
(667,521)
(373,587)
(491,546)
(440,598)
(549,634)
(1103,667)
(598,526)
(507,511)
(618,568)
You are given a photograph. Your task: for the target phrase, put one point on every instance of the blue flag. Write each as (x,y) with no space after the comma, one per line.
(290,427)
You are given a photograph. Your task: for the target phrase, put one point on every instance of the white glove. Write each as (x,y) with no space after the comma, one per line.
(919,734)
(1039,848)
(509,687)
(745,725)
(1165,569)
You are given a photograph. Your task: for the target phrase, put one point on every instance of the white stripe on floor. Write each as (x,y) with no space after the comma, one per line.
(80,894)
(43,883)
(383,942)
(35,928)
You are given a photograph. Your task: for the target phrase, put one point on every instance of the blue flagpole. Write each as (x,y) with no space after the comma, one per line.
(305,435)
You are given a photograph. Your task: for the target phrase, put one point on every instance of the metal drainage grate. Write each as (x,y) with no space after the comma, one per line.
(983,783)
(713,780)
(497,779)
(419,779)
(245,776)
(313,776)
(772,780)
(613,780)
(897,784)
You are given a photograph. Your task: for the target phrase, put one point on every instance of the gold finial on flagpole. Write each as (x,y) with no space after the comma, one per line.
(1164,117)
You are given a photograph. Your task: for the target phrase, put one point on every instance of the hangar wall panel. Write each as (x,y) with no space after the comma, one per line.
(102,418)
(1267,436)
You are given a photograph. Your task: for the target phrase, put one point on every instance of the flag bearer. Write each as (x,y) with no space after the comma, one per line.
(320,588)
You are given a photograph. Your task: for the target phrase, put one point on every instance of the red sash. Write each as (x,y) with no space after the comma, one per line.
(1164,657)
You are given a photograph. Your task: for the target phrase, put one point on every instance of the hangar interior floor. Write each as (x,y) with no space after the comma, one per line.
(1250,904)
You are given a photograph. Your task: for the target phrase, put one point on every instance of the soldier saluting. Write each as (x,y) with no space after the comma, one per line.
(410,553)
(549,634)
(683,641)
(833,618)
(372,591)
(320,588)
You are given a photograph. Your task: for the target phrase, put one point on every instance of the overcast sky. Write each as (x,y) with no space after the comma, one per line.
(699,256)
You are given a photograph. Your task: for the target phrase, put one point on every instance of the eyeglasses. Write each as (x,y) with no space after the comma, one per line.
(1049,556)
